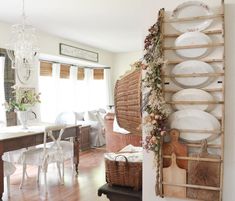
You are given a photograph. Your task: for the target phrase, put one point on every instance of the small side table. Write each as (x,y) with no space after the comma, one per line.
(85,137)
(116,193)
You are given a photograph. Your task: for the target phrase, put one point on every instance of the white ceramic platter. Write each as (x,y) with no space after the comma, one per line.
(194,120)
(192,38)
(193,95)
(191,67)
(191,9)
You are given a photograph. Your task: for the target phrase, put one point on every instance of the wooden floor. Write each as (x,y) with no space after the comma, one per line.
(82,188)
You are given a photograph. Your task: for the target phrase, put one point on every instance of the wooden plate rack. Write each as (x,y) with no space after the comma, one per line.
(218,88)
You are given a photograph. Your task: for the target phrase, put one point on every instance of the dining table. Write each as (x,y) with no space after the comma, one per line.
(15,137)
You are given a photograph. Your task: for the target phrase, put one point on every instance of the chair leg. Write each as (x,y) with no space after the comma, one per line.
(8,186)
(38,176)
(72,165)
(26,173)
(62,180)
(23,176)
(45,180)
(58,167)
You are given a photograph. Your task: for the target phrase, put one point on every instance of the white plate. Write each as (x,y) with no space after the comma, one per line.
(191,9)
(191,67)
(194,120)
(192,38)
(193,95)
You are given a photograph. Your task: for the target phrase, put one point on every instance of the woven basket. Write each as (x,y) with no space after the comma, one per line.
(122,173)
(128,102)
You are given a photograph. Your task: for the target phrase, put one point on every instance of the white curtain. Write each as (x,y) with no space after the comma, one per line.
(65,95)
(108,87)
(2,93)
(49,88)
(96,91)
(89,90)
(73,87)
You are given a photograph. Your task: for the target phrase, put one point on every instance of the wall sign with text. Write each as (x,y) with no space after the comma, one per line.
(79,53)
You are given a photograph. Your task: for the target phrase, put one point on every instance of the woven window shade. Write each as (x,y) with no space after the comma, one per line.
(81,74)
(64,71)
(98,74)
(45,69)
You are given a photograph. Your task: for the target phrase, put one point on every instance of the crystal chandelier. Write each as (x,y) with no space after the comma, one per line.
(23,47)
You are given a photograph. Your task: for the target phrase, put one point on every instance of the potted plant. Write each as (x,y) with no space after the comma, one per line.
(23,100)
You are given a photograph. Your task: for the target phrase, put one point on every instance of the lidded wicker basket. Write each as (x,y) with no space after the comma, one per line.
(128,98)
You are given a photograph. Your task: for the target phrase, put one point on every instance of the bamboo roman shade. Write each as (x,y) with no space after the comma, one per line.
(81,74)
(98,74)
(45,69)
(64,71)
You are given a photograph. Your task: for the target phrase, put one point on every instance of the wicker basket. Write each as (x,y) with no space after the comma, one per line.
(122,173)
(128,102)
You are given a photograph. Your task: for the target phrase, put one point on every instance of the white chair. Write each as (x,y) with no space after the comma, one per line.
(9,169)
(43,156)
(68,118)
(14,157)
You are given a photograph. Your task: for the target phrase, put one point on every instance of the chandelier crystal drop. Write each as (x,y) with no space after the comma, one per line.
(23,45)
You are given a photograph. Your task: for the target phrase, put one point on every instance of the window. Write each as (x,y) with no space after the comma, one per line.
(70,88)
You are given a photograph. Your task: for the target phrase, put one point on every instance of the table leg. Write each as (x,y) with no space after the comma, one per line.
(76,149)
(1,172)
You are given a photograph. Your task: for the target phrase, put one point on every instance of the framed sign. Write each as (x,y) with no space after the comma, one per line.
(71,51)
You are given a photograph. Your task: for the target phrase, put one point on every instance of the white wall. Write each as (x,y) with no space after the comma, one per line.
(229,163)
(122,62)
(49,44)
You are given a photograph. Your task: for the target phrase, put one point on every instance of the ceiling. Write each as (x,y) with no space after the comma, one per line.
(113,25)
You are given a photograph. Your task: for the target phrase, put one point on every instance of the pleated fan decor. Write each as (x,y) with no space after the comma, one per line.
(128,101)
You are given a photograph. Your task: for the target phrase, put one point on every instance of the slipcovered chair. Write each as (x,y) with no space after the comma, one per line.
(94,118)
(9,169)
(67,117)
(42,157)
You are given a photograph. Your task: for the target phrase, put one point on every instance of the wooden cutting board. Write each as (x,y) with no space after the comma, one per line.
(204,173)
(174,175)
(174,146)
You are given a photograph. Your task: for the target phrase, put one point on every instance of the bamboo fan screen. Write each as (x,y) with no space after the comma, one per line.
(128,102)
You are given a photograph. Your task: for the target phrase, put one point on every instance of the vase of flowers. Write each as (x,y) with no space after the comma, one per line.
(23,100)
(23,118)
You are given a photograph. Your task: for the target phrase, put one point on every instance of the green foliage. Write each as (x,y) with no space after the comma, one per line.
(23,99)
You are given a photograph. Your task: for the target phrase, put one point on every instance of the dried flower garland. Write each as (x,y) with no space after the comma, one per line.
(154,104)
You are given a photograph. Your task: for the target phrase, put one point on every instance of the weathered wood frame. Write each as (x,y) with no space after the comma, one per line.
(222,90)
